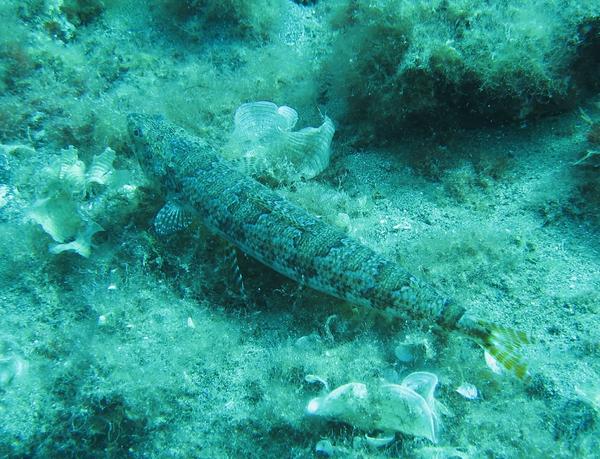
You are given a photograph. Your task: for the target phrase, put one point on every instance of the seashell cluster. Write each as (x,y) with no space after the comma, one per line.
(73,174)
(69,206)
(408,407)
(263,143)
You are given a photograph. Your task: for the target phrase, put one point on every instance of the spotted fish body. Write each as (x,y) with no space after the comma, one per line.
(282,235)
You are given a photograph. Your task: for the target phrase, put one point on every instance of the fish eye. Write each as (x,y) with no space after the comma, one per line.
(137,132)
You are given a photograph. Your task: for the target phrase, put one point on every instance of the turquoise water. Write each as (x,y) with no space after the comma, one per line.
(466,149)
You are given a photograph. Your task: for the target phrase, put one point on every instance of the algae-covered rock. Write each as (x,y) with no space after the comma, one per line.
(407,64)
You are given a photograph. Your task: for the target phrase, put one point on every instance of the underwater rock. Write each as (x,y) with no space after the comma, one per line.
(408,353)
(324,448)
(408,407)
(263,143)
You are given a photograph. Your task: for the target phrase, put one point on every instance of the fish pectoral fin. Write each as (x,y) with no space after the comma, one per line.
(172,218)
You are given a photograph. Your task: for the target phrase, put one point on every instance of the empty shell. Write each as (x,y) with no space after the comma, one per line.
(263,143)
(408,407)
(101,168)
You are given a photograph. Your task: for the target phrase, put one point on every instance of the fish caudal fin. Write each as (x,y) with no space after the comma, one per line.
(505,345)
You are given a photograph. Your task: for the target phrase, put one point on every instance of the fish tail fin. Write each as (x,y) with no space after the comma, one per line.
(504,344)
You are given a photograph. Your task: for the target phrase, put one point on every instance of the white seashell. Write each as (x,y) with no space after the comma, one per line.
(101,169)
(308,150)
(408,407)
(589,392)
(58,217)
(336,403)
(423,383)
(263,143)
(290,115)
(492,363)
(379,442)
(71,170)
(260,120)
(4,193)
(468,391)
(11,367)
(408,412)
(82,243)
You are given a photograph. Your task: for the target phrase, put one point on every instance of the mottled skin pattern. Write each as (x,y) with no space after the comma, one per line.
(284,236)
(276,232)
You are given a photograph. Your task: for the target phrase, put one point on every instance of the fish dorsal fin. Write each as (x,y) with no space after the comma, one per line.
(173,217)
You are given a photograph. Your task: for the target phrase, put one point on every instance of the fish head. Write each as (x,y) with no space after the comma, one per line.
(149,135)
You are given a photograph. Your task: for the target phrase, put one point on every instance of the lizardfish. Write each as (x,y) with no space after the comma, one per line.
(288,239)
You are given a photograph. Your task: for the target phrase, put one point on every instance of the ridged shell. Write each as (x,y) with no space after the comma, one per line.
(309,149)
(101,169)
(263,143)
(71,170)
(257,120)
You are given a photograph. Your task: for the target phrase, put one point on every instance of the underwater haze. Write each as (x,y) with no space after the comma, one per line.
(453,144)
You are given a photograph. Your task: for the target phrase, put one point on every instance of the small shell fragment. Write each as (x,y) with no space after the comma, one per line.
(492,363)
(468,391)
(379,441)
